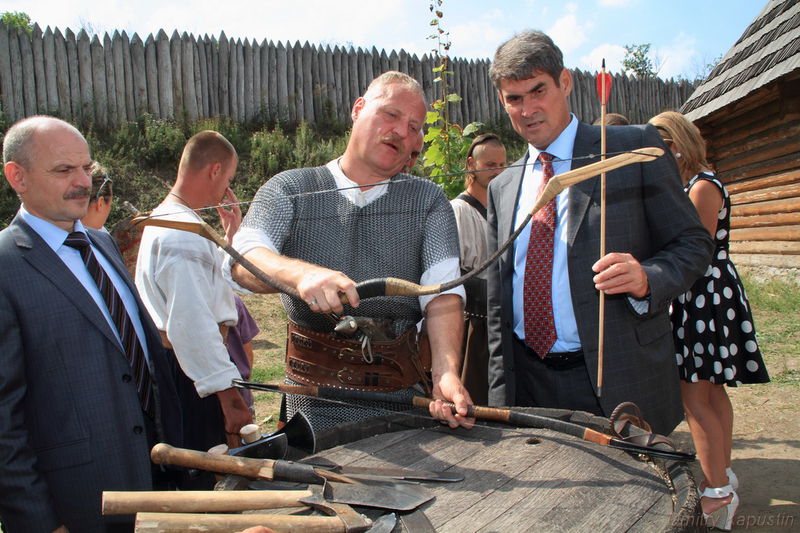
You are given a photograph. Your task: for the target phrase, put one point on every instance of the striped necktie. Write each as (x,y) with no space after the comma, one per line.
(540,329)
(127,333)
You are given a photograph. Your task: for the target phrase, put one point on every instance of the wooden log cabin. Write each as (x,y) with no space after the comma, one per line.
(748,110)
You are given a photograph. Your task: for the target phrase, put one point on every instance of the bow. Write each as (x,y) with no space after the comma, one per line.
(400,287)
(508,416)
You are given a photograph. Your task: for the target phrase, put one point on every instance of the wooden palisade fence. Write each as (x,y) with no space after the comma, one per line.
(108,80)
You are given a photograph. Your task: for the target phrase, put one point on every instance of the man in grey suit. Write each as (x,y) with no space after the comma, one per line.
(657,248)
(71,420)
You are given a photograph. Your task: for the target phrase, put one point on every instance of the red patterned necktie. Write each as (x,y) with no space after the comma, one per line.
(540,329)
(127,334)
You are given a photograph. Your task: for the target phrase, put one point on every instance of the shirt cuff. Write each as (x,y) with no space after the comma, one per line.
(217,382)
(640,305)
(442,272)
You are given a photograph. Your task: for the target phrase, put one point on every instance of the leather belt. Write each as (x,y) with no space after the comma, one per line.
(555,360)
(325,360)
(223,330)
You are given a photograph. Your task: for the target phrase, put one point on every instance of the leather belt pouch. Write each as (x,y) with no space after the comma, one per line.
(325,360)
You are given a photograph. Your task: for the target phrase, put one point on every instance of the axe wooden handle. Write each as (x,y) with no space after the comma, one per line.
(230,523)
(164,454)
(199,501)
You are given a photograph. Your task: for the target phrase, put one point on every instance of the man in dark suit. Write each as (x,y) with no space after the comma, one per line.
(543,344)
(76,417)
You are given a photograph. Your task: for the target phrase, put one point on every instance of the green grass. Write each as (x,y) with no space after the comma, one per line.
(776,312)
(272,371)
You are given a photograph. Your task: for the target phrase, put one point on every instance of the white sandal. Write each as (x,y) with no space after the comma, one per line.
(722,518)
(733,481)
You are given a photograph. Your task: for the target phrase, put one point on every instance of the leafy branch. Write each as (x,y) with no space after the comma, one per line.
(447,143)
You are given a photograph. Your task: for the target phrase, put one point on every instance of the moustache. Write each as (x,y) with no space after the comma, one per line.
(80,192)
(392,139)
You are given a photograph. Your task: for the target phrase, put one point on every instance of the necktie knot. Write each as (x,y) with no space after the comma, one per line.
(77,240)
(547,166)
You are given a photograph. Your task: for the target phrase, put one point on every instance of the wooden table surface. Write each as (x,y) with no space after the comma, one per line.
(522,479)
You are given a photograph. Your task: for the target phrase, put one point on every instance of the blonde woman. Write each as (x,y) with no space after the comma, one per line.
(712,326)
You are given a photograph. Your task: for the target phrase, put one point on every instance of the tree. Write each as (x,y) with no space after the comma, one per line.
(637,61)
(18,20)
(447,142)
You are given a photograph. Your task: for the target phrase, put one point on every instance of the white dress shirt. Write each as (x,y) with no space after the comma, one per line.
(567,339)
(180,280)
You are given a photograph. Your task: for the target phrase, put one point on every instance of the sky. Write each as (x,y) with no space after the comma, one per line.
(685,35)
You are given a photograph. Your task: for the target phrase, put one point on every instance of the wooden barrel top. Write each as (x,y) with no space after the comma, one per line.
(519,479)
(523,479)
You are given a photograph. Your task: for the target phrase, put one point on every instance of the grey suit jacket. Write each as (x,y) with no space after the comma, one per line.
(71,424)
(648,216)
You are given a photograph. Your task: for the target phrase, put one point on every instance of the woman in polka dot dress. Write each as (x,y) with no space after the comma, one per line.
(715,339)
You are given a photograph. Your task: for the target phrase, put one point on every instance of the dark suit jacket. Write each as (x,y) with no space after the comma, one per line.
(648,216)
(71,424)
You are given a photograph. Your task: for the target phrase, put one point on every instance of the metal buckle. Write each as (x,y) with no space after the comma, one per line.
(345,351)
(345,375)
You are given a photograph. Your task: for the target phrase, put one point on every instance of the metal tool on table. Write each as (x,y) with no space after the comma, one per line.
(298,432)
(338,487)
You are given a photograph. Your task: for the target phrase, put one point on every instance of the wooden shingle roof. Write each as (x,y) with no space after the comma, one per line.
(767,50)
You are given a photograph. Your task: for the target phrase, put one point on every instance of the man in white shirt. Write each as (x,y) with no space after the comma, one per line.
(319,230)
(180,279)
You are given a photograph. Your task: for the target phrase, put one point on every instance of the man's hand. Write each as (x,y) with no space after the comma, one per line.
(230,215)
(61,529)
(445,325)
(321,289)
(236,415)
(448,387)
(620,273)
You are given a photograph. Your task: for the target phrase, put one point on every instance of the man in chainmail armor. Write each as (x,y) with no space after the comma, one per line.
(321,230)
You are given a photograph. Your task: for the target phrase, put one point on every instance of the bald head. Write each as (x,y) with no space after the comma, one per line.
(47,163)
(18,143)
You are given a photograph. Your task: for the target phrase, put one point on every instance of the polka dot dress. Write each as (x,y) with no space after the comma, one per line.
(715,339)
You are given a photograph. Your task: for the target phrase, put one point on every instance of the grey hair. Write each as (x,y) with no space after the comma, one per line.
(393,77)
(18,139)
(525,53)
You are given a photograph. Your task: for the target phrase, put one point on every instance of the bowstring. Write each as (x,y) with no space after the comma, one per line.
(389,181)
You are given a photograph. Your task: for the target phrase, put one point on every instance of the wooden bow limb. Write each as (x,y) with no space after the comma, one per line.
(401,287)
(508,416)
(204,230)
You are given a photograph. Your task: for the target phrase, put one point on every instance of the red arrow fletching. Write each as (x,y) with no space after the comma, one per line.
(603,87)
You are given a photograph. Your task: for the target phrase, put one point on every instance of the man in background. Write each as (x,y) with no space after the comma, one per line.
(485,158)
(180,279)
(85,390)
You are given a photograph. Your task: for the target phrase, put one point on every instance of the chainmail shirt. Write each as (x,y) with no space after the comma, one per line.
(403,233)
(400,234)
